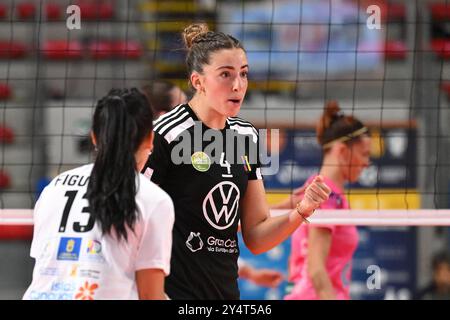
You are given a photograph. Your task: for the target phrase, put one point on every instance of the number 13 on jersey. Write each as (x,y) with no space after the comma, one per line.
(77,227)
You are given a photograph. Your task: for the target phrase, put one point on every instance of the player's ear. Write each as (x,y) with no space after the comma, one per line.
(196,81)
(342,151)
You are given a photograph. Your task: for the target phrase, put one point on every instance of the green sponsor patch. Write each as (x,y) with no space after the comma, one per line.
(201,161)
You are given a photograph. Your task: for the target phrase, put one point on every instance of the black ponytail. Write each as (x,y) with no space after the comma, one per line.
(121,121)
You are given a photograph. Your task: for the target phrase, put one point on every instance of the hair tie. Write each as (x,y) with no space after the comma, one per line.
(339,114)
(335,117)
(347,137)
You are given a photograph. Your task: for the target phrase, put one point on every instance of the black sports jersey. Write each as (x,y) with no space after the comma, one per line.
(206,187)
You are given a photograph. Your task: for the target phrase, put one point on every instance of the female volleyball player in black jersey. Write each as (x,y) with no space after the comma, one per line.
(163,97)
(213,188)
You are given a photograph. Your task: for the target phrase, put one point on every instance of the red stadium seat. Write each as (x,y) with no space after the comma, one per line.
(91,10)
(440,39)
(101,50)
(396,11)
(61,49)
(445,86)
(5,180)
(26,10)
(127,49)
(115,49)
(3,11)
(395,50)
(53,11)
(5,91)
(6,135)
(11,50)
(441,47)
(440,11)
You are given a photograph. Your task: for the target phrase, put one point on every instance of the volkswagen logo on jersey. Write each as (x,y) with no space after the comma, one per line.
(221,205)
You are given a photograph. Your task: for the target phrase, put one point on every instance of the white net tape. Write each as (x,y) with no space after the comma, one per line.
(421,217)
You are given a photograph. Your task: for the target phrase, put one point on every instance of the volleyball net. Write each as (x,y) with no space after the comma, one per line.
(16,218)
(383,61)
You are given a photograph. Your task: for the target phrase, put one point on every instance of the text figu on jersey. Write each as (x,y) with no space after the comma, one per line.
(71,180)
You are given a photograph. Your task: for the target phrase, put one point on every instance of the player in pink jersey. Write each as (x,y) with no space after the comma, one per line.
(320,262)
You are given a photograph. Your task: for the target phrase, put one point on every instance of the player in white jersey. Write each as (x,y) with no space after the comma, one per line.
(104,231)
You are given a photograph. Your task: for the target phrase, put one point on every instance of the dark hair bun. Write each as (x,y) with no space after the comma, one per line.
(332,110)
(193,31)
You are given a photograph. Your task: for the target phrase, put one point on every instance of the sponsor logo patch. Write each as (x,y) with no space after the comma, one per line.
(201,161)
(69,249)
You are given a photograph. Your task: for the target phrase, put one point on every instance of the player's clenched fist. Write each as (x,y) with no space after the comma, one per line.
(316,193)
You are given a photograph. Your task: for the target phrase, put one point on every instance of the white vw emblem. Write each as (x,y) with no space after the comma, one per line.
(227,197)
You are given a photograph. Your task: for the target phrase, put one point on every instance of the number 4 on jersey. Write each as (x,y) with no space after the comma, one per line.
(225,164)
